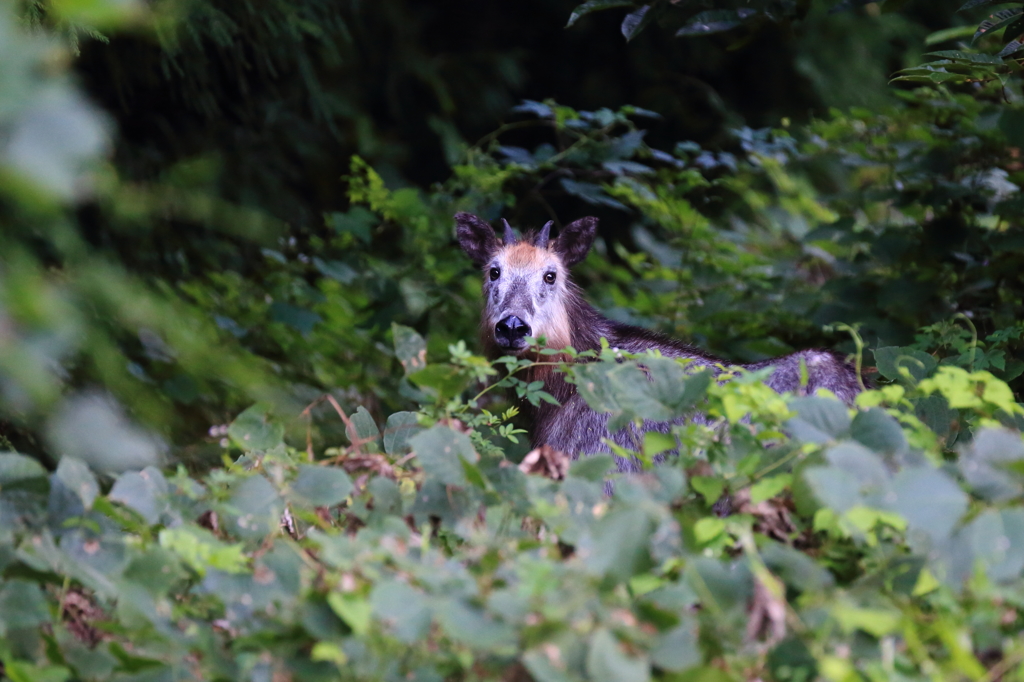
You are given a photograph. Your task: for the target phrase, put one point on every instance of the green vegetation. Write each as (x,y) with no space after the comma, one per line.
(245,434)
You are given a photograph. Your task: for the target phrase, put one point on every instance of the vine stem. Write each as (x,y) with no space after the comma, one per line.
(859,342)
(974,337)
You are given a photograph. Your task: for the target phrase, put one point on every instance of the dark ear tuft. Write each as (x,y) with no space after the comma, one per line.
(575,239)
(475,237)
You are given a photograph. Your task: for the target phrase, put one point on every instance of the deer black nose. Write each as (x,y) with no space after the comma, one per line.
(510,332)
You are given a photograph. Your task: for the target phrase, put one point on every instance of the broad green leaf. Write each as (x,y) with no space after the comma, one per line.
(891,360)
(77,477)
(400,428)
(366,430)
(879,431)
(319,486)
(619,544)
(254,509)
(592,468)
(21,671)
(818,420)
(711,488)
(201,550)
(983,464)
(997,21)
(767,488)
(474,627)
(254,429)
(952,33)
(353,609)
(439,450)
(876,622)
(595,6)
(22,605)
(607,662)
(929,500)
(402,609)
(410,348)
(15,468)
(635,21)
(677,649)
(446,381)
(142,491)
(715,21)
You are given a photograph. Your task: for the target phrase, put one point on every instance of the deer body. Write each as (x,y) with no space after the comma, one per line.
(528,292)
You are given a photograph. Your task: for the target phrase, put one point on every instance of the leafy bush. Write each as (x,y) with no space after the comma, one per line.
(874,541)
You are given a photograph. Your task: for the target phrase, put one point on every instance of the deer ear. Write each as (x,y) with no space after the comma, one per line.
(575,240)
(475,237)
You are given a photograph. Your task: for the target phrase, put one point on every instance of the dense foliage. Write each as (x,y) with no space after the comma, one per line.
(245,432)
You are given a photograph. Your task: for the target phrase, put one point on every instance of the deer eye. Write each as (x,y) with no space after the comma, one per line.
(549,278)
(495,273)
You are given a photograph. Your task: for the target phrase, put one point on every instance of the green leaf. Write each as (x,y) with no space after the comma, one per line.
(254,430)
(142,491)
(440,451)
(15,468)
(320,486)
(474,627)
(403,609)
(929,500)
(607,662)
(366,430)
(635,21)
(677,649)
(77,477)
(971,4)
(446,381)
(254,508)
(22,605)
(299,319)
(201,550)
(399,430)
(997,21)
(656,443)
(595,6)
(767,488)
(715,21)
(968,57)
(818,420)
(620,541)
(710,488)
(20,671)
(891,360)
(983,464)
(410,348)
(952,33)
(879,431)
(594,468)
(353,609)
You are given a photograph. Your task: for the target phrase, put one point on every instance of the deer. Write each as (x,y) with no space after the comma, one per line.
(528,293)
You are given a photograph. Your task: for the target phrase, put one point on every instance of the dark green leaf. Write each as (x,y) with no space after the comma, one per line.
(400,428)
(635,21)
(595,6)
(891,360)
(319,486)
(879,431)
(818,420)
(997,21)
(715,21)
(440,452)
(607,662)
